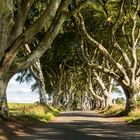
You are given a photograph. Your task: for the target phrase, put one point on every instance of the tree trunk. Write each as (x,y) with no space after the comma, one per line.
(37,73)
(57,96)
(4,110)
(106,90)
(86,105)
(131,102)
(56,99)
(42,93)
(108,102)
(58,89)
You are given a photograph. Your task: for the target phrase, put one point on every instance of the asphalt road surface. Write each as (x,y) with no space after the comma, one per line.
(75,125)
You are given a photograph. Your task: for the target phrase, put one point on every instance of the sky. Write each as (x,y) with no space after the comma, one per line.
(21,93)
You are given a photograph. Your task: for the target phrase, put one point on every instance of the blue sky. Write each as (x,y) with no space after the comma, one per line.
(21,93)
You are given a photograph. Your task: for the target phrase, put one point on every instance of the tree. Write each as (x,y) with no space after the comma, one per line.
(34,71)
(17,30)
(60,67)
(63,70)
(123,35)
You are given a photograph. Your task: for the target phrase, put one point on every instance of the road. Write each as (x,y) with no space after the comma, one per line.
(74,125)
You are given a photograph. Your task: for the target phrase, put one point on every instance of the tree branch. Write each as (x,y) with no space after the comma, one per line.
(22,13)
(102,49)
(29,33)
(123,54)
(91,89)
(134,20)
(44,44)
(101,84)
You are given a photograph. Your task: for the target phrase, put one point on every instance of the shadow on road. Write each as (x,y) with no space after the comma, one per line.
(73,130)
(80,114)
(52,131)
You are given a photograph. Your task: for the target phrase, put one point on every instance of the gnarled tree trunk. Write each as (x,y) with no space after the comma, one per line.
(131,101)
(36,72)
(4,110)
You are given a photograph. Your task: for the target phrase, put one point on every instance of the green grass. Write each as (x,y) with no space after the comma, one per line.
(118,110)
(32,112)
(134,117)
(115,110)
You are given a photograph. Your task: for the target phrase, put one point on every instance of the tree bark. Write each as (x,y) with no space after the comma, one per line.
(56,13)
(4,110)
(36,72)
(131,102)
(105,91)
(56,98)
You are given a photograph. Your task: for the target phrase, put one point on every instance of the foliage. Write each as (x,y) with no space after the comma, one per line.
(105,21)
(116,90)
(120,100)
(24,76)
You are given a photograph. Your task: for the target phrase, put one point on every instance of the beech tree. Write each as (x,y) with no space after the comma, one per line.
(123,35)
(60,69)
(14,35)
(63,70)
(35,72)
(99,83)
(100,86)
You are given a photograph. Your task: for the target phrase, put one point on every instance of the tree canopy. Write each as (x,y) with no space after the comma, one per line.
(75,49)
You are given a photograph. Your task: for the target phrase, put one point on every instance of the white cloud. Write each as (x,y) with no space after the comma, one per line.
(21,93)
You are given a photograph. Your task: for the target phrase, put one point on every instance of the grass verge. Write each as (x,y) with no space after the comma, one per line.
(33,112)
(134,117)
(115,110)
